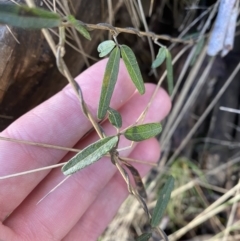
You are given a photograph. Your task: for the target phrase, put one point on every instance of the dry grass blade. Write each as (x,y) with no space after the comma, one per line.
(147,30)
(187,85)
(39,144)
(74,47)
(12,34)
(151,7)
(66,11)
(213,209)
(110,14)
(191,25)
(132,13)
(191,77)
(52,190)
(202,218)
(231,217)
(206,112)
(192,98)
(195,181)
(233,227)
(57,148)
(32,171)
(229,109)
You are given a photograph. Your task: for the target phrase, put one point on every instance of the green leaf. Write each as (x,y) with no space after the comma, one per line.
(105,47)
(162,202)
(132,67)
(169,71)
(160,57)
(114,118)
(191,36)
(25,17)
(109,81)
(144,237)
(198,50)
(79,26)
(143,132)
(89,155)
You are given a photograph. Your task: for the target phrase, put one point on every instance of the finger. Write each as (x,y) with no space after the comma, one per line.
(82,188)
(115,184)
(57,121)
(103,209)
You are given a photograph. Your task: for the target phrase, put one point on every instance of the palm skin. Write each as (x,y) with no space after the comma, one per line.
(82,207)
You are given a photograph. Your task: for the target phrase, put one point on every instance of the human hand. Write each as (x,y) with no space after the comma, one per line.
(82,207)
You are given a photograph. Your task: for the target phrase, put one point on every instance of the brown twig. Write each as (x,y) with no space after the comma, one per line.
(108,27)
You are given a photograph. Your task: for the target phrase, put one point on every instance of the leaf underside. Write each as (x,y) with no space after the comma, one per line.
(160,58)
(105,48)
(143,132)
(89,155)
(109,81)
(28,18)
(131,64)
(162,202)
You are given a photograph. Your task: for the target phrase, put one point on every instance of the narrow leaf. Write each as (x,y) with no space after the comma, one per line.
(132,67)
(169,71)
(105,47)
(25,17)
(79,26)
(198,50)
(160,58)
(143,132)
(89,155)
(162,202)
(109,81)
(144,237)
(137,179)
(115,118)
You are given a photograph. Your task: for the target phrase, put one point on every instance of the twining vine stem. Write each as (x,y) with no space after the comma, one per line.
(115,31)
(58,51)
